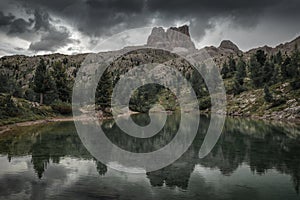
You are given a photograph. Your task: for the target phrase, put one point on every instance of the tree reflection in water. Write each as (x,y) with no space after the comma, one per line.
(260,145)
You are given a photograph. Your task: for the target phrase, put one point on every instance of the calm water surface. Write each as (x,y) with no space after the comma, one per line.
(252,160)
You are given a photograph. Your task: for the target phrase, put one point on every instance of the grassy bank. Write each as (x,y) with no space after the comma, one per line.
(15,110)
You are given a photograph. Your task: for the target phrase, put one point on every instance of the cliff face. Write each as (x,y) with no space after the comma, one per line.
(178,39)
(182,29)
(229,46)
(171,39)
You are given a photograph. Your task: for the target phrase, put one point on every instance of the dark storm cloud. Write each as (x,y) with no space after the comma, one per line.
(52,40)
(245,14)
(5,20)
(14,25)
(19,26)
(51,37)
(100,18)
(94,17)
(42,20)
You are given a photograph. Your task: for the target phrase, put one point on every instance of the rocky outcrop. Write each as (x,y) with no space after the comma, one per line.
(221,54)
(174,37)
(182,29)
(227,45)
(286,48)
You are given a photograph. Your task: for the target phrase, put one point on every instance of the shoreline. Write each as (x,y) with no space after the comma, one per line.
(8,127)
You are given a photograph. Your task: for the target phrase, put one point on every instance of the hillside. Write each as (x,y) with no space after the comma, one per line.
(263,82)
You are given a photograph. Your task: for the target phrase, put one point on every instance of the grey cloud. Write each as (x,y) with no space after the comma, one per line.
(51,37)
(20,26)
(52,40)
(94,17)
(104,17)
(19,49)
(14,25)
(42,20)
(100,18)
(117,5)
(244,14)
(6,20)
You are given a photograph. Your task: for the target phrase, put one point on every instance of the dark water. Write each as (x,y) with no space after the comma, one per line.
(252,160)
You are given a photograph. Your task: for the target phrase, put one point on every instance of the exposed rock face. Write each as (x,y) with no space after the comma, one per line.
(220,54)
(182,29)
(228,45)
(286,48)
(157,35)
(172,38)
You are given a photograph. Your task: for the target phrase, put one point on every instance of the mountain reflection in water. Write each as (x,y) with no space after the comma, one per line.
(252,159)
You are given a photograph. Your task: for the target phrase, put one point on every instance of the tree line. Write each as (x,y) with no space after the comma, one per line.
(51,82)
(263,71)
(54,82)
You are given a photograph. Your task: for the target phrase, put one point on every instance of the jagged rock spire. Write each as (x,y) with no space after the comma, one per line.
(174,37)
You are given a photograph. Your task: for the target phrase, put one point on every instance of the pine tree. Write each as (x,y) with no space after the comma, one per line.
(232,64)
(261,57)
(257,62)
(284,68)
(225,71)
(104,90)
(276,75)
(278,58)
(267,94)
(237,87)
(255,71)
(39,80)
(294,67)
(62,83)
(268,70)
(241,71)
(50,89)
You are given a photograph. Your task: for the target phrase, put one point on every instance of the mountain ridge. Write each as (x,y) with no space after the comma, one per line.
(226,46)
(248,100)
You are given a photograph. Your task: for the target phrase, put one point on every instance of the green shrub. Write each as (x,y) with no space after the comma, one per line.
(63,108)
(278,102)
(30,95)
(295,84)
(8,108)
(267,94)
(204,103)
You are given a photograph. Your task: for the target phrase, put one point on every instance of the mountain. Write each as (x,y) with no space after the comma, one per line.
(18,72)
(285,48)
(159,38)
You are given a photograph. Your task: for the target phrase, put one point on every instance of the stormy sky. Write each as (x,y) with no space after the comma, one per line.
(74,26)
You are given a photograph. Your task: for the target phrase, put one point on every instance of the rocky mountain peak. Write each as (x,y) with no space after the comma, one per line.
(174,37)
(228,45)
(182,29)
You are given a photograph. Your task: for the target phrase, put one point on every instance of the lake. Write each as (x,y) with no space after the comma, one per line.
(251,160)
